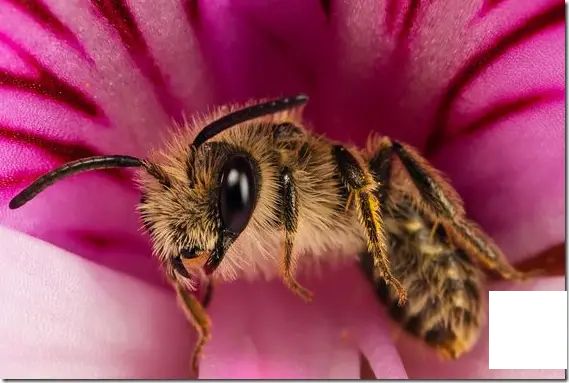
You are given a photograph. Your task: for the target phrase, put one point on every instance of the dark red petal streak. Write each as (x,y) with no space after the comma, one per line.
(326,7)
(46,84)
(104,240)
(17,180)
(409,19)
(403,11)
(483,59)
(37,10)
(504,109)
(118,15)
(391,14)
(488,6)
(191,9)
(551,261)
(58,150)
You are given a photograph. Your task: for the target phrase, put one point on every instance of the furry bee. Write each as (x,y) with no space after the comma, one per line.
(251,191)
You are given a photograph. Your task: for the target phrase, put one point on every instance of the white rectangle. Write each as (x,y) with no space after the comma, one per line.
(528,330)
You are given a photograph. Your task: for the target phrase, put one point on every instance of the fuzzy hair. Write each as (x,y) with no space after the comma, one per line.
(184,214)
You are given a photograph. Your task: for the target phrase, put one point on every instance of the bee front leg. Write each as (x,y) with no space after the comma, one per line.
(289,217)
(359,182)
(198,317)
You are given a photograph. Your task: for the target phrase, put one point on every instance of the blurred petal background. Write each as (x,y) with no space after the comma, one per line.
(478,86)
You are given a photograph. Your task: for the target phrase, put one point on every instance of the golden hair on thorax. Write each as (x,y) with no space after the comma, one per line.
(249,192)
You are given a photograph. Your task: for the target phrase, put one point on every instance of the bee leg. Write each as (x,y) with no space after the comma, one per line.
(380,167)
(289,216)
(478,245)
(437,196)
(444,286)
(196,314)
(358,181)
(442,202)
(288,272)
(208,295)
(434,229)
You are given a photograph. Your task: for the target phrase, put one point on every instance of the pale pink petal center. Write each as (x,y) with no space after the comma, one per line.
(65,317)
(263,330)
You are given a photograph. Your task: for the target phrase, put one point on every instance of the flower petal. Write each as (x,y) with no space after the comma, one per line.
(86,78)
(512,179)
(422,363)
(81,78)
(262,330)
(65,317)
(502,142)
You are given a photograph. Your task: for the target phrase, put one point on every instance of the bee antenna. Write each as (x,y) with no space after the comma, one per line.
(247,114)
(78,166)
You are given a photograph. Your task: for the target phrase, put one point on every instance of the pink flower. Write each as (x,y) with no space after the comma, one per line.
(477,85)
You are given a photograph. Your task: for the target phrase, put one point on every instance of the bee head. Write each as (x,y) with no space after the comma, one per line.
(196,197)
(197,203)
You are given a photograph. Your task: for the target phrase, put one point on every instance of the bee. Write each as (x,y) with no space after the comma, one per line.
(250,191)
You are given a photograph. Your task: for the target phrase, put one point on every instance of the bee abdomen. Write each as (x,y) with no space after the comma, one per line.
(443,311)
(443,287)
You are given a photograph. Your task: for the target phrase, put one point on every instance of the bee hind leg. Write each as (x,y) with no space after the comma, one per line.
(438,199)
(483,249)
(444,286)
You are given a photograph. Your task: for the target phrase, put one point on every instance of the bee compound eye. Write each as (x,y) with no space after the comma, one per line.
(238,193)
